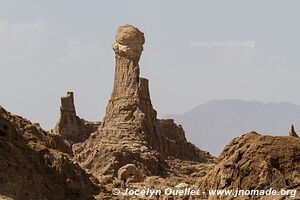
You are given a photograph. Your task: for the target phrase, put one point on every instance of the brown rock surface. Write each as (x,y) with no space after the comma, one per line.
(129,35)
(70,127)
(32,167)
(253,161)
(172,143)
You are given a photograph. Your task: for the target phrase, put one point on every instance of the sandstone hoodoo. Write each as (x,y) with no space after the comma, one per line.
(130,132)
(70,127)
(130,104)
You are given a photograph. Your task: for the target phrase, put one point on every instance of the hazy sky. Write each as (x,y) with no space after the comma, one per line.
(195,51)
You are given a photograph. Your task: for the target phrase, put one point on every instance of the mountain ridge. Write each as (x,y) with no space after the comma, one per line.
(226,119)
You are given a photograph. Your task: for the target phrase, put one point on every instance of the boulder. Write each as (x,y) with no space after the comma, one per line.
(130,174)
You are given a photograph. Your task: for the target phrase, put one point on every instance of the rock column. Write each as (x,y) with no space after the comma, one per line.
(130,103)
(70,126)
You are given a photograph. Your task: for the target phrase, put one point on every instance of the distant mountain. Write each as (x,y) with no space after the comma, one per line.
(212,125)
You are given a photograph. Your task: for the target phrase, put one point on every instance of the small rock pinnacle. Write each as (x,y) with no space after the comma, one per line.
(293,132)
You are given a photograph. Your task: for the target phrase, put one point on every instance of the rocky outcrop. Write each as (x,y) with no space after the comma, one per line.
(130,132)
(292,132)
(253,161)
(70,127)
(172,142)
(33,165)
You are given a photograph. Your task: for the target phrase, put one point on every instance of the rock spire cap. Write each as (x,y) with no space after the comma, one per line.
(129,43)
(129,35)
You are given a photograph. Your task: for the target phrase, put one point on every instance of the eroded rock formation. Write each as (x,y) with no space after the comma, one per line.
(130,132)
(33,164)
(130,107)
(253,161)
(70,127)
